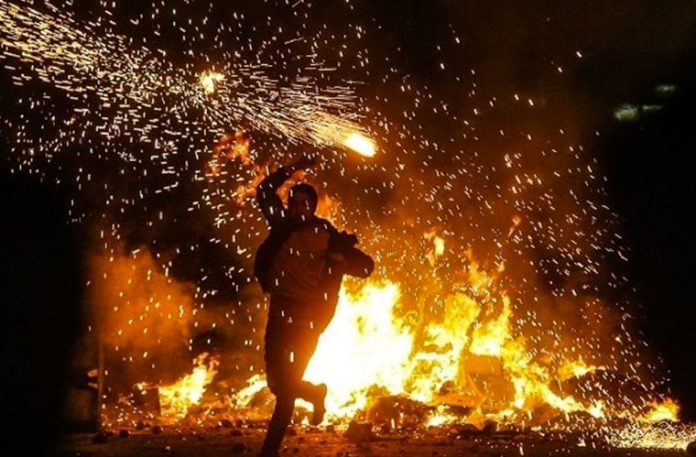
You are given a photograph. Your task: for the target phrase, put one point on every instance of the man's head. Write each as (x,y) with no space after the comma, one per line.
(302,202)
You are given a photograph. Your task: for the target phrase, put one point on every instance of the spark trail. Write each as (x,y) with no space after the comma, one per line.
(77,59)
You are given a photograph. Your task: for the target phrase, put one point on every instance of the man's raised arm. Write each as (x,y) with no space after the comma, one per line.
(267,190)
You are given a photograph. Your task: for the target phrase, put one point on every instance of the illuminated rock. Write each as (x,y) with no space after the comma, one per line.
(359,432)
(398,410)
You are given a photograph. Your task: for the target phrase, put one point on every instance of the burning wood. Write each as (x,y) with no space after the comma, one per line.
(468,366)
(147,400)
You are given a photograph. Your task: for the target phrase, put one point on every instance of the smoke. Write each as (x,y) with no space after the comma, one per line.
(144,318)
(152,325)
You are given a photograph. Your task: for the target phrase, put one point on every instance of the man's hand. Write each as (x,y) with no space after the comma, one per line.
(341,242)
(304,163)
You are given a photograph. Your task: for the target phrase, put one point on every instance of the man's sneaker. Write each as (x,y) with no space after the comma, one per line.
(319,406)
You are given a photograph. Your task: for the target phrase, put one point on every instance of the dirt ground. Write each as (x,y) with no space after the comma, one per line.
(231,441)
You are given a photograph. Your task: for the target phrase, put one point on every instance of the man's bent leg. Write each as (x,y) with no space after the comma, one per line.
(304,346)
(316,395)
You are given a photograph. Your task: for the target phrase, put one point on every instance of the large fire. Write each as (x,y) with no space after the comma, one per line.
(389,359)
(471,357)
(382,360)
(470,367)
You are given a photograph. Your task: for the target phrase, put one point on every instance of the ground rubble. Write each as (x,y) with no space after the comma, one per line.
(239,438)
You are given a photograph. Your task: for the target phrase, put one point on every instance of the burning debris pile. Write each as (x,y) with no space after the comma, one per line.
(467,366)
(497,298)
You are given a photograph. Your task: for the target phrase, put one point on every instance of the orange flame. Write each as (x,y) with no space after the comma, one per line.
(229,147)
(438,248)
(352,358)
(575,369)
(176,399)
(666,410)
(474,339)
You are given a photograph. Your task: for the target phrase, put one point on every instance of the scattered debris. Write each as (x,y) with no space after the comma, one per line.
(359,432)
(489,428)
(466,430)
(397,409)
(226,423)
(147,400)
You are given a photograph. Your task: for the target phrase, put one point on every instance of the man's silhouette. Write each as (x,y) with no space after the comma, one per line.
(301,264)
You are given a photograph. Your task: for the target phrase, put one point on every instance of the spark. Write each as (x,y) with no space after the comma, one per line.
(361,144)
(209,79)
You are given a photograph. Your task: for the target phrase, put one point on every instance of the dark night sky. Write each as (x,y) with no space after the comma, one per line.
(629,47)
(651,165)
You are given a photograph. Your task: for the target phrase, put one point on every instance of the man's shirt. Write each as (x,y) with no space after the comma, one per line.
(298,271)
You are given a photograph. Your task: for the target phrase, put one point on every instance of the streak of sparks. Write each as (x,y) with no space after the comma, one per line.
(69,56)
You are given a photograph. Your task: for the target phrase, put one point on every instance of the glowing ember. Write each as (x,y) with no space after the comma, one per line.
(361,144)
(209,81)
(176,399)
(662,435)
